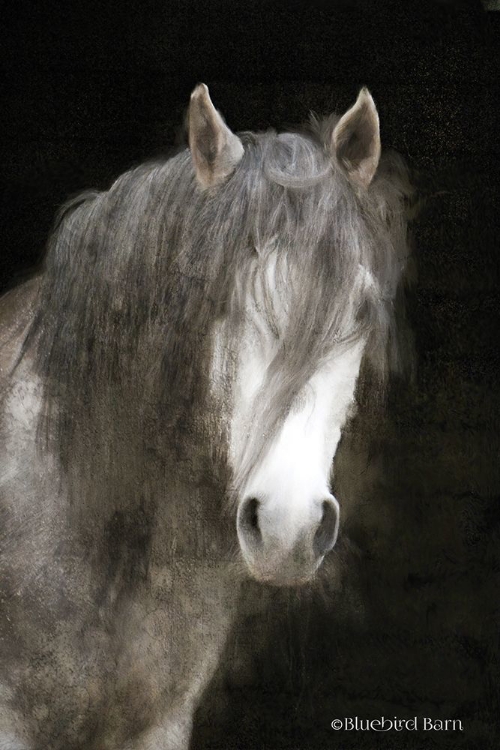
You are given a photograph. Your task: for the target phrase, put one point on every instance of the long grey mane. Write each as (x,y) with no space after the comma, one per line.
(136,277)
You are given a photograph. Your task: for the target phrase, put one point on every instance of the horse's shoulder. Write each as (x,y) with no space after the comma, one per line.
(16,313)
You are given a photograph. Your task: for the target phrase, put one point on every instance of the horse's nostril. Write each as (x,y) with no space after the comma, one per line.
(248,519)
(326,533)
(253,517)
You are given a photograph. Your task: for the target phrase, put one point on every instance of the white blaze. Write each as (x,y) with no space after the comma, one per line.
(293,478)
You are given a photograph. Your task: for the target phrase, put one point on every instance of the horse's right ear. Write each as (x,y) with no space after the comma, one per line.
(214,148)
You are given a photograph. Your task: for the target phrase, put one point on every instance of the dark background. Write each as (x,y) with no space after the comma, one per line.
(406,621)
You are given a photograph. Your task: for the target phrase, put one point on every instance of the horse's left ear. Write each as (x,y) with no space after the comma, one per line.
(356,140)
(215,149)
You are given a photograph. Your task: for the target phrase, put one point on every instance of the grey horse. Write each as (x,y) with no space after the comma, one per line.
(173,388)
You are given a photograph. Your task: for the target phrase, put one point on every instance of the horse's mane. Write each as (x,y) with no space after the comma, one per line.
(135,278)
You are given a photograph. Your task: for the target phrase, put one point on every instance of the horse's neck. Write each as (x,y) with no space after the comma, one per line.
(179,473)
(16,313)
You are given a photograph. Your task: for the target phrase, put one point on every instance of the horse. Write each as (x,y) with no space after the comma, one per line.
(174,384)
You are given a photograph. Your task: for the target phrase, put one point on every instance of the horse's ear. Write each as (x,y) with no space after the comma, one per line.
(356,140)
(214,148)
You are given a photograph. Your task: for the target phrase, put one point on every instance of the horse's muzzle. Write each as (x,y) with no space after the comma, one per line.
(282,550)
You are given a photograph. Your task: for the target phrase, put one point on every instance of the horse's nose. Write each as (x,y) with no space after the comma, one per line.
(285,549)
